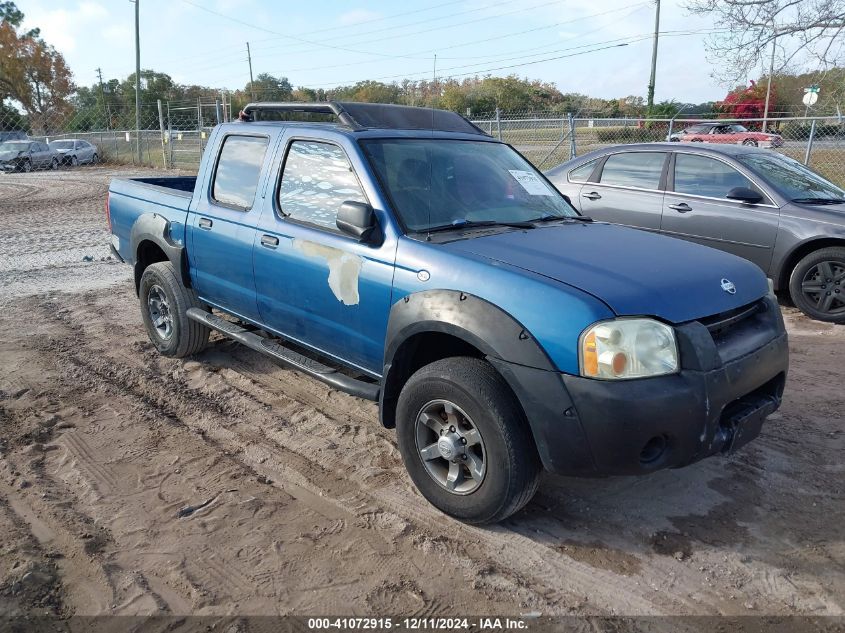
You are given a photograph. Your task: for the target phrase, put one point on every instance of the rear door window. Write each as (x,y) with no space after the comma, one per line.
(703,176)
(317,179)
(238,171)
(634,169)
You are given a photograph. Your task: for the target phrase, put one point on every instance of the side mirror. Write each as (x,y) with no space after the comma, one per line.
(744,194)
(356,219)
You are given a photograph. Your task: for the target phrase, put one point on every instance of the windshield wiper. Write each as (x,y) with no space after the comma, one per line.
(819,200)
(465,224)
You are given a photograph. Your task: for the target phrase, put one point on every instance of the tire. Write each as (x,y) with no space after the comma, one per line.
(54,164)
(696,140)
(26,166)
(74,161)
(817,285)
(185,336)
(478,398)
(750,142)
(95,159)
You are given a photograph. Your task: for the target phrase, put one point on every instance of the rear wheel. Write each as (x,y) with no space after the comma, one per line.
(95,159)
(750,141)
(164,309)
(465,442)
(74,161)
(696,140)
(817,285)
(54,164)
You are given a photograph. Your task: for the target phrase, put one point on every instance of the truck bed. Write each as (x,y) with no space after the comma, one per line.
(130,198)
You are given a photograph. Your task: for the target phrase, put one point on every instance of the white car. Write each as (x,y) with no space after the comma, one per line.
(76,152)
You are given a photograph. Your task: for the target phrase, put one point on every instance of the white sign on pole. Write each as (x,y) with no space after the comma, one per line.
(810,98)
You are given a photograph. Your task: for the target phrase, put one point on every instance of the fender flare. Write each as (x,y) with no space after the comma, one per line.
(494,332)
(152,227)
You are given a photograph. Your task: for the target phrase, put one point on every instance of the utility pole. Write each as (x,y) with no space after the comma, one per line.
(434,74)
(251,81)
(769,82)
(654,56)
(103,97)
(138,80)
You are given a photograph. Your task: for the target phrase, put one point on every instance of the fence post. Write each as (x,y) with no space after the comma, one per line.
(671,125)
(217,111)
(498,124)
(810,142)
(572,149)
(163,137)
(199,124)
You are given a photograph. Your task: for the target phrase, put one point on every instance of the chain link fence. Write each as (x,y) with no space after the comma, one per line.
(174,134)
(548,139)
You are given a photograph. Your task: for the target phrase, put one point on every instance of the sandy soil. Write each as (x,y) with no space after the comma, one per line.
(135,484)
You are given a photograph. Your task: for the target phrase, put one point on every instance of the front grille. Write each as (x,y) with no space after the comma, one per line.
(720,324)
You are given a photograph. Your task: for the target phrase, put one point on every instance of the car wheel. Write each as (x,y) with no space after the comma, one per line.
(696,140)
(54,164)
(95,159)
(465,442)
(674,139)
(164,309)
(750,142)
(817,285)
(26,166)
(74,161)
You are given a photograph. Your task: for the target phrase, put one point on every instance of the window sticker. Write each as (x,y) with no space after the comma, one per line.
(530,182)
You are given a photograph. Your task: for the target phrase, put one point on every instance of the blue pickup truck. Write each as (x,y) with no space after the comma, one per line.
(402,255)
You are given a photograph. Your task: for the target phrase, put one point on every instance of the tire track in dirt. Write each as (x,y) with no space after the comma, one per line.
(556,577)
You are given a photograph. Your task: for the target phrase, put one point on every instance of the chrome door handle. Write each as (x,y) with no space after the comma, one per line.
(681,207)
(205,223)
(591,196)
(269,241)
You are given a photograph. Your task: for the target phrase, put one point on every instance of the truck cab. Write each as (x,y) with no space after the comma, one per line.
(402,255)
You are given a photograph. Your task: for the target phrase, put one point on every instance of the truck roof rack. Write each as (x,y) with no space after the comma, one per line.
(380,116)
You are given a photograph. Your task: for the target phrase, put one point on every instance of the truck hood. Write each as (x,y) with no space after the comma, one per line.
(633,272)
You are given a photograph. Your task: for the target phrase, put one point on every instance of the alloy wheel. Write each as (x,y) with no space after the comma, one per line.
(824,287)
(451,447)
(160,314)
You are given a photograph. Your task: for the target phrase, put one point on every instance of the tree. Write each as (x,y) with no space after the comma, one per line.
(266,87)
(32,73)
(748,29)
(744,102)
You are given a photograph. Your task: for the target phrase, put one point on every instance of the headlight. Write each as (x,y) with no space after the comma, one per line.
(628,348)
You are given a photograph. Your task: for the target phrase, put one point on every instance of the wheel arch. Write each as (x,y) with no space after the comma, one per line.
(151,242)
(800,252)
(427,326)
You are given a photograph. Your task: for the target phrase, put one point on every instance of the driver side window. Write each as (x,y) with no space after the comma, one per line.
(316,180)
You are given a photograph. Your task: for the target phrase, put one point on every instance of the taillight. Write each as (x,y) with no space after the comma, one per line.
(108,212)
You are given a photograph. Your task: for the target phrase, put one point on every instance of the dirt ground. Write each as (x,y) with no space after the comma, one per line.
(220,485)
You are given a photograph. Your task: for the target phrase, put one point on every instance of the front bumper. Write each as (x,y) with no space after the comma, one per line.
(727,386)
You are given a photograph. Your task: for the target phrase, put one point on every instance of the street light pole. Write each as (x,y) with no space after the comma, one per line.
(769,82)
(138,80)
(651,81)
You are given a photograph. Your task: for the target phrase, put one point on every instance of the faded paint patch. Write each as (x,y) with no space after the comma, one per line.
(344,269)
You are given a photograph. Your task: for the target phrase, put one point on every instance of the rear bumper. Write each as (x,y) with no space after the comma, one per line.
(595,428)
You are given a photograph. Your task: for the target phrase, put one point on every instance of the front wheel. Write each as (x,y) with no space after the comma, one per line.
(26,166)
(164,309)
(465,442)
(74,161)
(54,164)
(750,142)
(817,285)
(95,159)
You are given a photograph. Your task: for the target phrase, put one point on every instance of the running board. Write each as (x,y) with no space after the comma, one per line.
(286,356)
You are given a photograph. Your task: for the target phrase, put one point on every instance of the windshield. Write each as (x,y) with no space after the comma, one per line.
(62,144)
(435,183)
(11,146)
(794,180)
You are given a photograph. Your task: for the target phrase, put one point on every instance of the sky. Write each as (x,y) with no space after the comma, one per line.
(334,42)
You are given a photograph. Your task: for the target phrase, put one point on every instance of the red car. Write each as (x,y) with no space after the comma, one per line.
(726,133)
